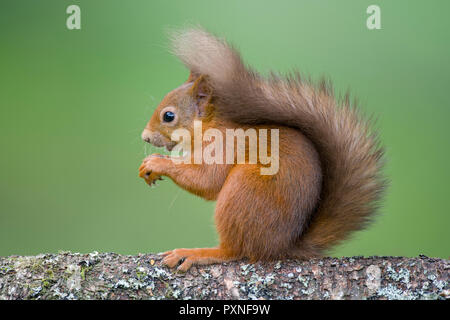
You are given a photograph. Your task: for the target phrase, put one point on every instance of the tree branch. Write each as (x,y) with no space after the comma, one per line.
(113,276)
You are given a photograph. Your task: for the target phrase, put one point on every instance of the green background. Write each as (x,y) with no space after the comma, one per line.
(73,105)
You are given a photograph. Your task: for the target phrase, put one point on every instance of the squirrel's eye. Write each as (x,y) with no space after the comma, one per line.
(168,116)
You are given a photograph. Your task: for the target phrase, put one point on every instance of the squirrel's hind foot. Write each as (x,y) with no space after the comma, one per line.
(198,256)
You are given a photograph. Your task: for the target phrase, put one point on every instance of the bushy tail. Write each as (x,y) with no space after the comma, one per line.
(350,153)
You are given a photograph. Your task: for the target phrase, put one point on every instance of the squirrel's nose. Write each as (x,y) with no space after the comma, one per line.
(146,135)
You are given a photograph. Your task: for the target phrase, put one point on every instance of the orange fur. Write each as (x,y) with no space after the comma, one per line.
(329,179)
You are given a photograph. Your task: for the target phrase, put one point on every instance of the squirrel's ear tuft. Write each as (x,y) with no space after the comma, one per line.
(202,92)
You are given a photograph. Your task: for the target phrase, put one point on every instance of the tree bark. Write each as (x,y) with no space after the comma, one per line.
(112,276)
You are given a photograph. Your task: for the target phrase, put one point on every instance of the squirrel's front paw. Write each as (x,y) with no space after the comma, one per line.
(151,168)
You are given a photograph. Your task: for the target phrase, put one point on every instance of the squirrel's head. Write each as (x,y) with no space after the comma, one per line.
(179,108)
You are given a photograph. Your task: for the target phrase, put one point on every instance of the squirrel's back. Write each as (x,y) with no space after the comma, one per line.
(349,152)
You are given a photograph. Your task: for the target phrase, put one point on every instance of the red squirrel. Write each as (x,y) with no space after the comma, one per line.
(329,182)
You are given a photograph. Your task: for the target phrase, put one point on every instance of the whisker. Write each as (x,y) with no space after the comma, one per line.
(174,199)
